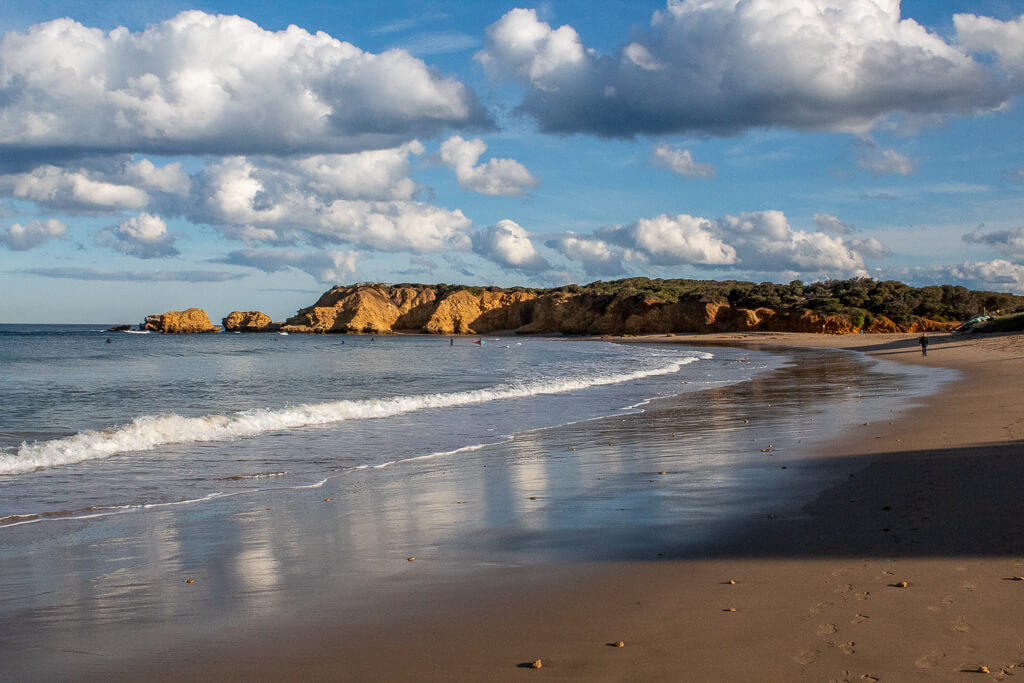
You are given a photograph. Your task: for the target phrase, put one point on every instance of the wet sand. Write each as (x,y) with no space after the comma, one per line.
(931,497)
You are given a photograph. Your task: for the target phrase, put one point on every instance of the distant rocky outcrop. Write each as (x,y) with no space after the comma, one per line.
(249,321)
(118,328)
(189,321)
(446,310)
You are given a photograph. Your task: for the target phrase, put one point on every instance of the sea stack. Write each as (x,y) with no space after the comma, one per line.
(249,321)
(189,321)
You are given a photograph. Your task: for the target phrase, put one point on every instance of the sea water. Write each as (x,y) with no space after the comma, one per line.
(92,428)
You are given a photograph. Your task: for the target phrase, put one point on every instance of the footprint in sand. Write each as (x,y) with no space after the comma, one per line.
(859,618)
(928,661)
(826,629)
(847,648)
(961,625)
(806,657)
(820,607)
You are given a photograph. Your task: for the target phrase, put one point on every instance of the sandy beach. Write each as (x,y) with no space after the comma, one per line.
(901,567)
(901,572)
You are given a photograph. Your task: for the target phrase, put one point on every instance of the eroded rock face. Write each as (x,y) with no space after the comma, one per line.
(379,309)
(249,321)
(462,312)
(189,321)
(368,310)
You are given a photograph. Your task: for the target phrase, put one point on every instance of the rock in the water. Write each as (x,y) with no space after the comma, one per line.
(250,321)
(189,321)
(118,328)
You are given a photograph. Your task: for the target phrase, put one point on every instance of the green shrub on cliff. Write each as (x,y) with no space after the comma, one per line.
(860,299)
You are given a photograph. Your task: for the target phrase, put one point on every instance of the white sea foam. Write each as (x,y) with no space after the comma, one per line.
(152,431)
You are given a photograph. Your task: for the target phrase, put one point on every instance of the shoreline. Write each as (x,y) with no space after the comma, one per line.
(816,599)
(813,595)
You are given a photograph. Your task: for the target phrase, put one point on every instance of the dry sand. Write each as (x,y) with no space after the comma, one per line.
(903,571)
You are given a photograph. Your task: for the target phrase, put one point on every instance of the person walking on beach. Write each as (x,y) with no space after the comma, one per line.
(923,341)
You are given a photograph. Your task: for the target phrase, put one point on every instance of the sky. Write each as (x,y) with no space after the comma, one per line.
(159,155)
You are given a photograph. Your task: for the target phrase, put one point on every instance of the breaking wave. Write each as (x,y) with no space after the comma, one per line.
(152,431)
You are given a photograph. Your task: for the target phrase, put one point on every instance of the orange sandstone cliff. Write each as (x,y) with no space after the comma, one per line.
(443,310)
(249,321)
(189,321)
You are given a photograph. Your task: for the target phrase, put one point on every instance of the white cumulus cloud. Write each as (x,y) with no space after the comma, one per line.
(680,161)
(596,255)
(673,240)
(766,242)
(213,84)
(18,237)
(722,66)
(761,242)
(505,177)
(988,35)
(509,245)
(325,200)
(105,185)
(144,236)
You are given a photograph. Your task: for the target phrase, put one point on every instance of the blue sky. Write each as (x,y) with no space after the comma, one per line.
(236,156)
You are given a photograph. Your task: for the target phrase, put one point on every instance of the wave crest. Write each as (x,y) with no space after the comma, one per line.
(151,431)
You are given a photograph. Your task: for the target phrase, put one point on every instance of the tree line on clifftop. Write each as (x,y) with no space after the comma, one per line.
(859,299)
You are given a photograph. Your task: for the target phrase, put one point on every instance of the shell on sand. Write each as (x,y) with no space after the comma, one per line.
(537,664)
(412,559)
(618,643)
(190,580)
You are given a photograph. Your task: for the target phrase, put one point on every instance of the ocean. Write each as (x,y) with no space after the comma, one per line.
(90,428)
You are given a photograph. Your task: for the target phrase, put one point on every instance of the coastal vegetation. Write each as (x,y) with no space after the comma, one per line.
(632,306)
(860,299)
